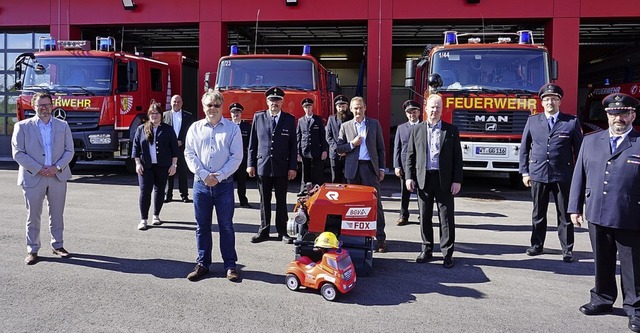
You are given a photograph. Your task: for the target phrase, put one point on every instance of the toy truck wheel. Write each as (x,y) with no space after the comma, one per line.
(329,291)
(292,281)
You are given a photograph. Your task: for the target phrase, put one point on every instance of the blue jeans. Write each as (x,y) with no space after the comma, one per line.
(205,198)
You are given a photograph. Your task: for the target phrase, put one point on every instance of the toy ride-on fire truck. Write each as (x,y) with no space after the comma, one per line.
(333,273)
(348,211)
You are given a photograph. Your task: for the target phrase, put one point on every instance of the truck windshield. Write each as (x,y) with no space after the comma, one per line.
(72,75)
(495,69)
(264,73)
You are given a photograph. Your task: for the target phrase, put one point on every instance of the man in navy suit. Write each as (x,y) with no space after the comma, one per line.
(412,111)
(549,147)
(272,156)
(332,131)
(360,139)
(180,120)
(241,174)
(312,146)
(605,182)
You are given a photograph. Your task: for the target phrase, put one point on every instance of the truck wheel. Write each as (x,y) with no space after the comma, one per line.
(328,291)
(292,282)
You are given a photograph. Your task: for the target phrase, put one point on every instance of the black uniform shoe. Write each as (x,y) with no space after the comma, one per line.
(634,323)
(245,205)
(424,257)
(259,238)
(448,263)
(168,199)
(534,251)
(186,199)
(591,309)
(567,257)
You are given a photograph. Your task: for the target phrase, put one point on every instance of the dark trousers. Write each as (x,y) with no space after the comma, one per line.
(312,172)
(266,184)
(152,179)
(241,178)
(606,242)
(540,193)
(404,199)
(182,171)
(444,201)
(367,176)
(337,170)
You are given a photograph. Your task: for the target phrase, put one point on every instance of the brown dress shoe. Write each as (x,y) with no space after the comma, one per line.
(31,258)
(61,252)
(233,275)
(402,221)
(382,246)
(197,273)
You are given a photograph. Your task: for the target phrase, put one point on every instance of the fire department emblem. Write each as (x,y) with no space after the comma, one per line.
(60,114)
(126,103)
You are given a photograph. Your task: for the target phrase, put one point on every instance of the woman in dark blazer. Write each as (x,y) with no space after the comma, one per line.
(155,149)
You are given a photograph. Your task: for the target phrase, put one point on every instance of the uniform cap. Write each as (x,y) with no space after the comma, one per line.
(410,105)
(620,103)
(236,107)
(550,89)
(274,92)
(307,101)
(341,99)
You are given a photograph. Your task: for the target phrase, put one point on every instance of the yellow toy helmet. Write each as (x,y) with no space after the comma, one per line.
(327,240)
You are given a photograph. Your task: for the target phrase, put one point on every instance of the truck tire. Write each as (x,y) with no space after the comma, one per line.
(329,291)
(292,281)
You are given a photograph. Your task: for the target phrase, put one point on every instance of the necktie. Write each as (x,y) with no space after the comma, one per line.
(273,123)
(551,122)
(614,143)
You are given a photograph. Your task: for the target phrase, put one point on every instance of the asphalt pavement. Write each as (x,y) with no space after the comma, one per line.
(119,279)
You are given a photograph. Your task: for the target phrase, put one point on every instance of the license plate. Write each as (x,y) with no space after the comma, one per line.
(499,151)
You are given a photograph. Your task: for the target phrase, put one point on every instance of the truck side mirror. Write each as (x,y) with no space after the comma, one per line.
(554,70)
(207,82)
(410,73)
(332,83)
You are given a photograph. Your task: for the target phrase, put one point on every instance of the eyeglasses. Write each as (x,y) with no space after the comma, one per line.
(211,105)
(47,105)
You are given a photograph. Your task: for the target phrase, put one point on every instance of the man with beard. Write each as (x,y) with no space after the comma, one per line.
(412,111)
(332,130)
(606,181)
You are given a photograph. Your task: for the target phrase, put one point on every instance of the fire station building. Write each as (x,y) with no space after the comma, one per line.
(365,41)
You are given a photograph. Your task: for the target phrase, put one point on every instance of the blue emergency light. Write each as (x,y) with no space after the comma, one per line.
(49,44)
(526,37)
(450,37)
(306,50)
(105,43)
(234,50)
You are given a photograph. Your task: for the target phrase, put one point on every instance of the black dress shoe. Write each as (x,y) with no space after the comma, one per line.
(448,263)
(168,199)
(245,205)
(591,309)
(534,251)
(286,239)
(634,323)
(424,257)
(259,238)
(186,200)
(402,221)
(567,257)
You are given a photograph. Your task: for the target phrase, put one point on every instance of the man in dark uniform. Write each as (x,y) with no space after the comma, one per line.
(312,146)
(241,174)
(550,144)
(332,130)
(180,120)
(412,111)
(272,156)
(607,182)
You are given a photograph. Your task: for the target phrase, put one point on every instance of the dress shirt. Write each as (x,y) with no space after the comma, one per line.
(213,149)
(361,129)
(152,147)
(621,137)
(176,121)
(434,145)
(45,133)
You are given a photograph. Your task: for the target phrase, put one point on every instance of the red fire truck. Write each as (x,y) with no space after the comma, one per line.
(489,89)
(103,94)
(245,78)
(593,117)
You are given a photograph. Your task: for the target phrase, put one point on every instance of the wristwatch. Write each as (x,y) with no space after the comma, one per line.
(59,168)
(175,165)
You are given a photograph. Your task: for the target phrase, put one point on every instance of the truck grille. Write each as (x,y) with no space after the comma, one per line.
(347,274)
(77,120)
(478,121)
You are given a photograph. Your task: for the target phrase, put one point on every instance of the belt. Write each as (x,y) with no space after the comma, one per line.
(364,161)
(433,171)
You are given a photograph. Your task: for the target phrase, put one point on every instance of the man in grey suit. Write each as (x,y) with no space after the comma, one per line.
(43,147)
(180,120)
(434,161)
(361,140)
(400,144)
